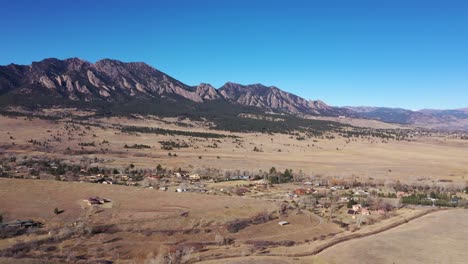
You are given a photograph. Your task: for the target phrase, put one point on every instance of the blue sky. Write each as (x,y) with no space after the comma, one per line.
(411,54)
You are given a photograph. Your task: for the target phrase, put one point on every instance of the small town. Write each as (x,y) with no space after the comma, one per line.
(349,203)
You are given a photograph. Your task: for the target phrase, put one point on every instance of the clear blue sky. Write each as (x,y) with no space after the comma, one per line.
(411,53)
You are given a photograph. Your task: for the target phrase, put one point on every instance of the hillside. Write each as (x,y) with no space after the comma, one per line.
(107,80)
(112,87)
(456,119)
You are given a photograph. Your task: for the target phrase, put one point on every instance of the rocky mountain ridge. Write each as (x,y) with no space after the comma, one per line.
(107,80)
(112,80)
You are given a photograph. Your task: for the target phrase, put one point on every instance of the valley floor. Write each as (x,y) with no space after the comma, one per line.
(423,159)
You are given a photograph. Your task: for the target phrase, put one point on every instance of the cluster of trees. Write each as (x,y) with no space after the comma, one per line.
(418,199)
(257,149)
(161,131)
(137,146)
(441,199)
(387,134)
(87,144)
(169,145)
(35,142)
(388,195)
(276,177)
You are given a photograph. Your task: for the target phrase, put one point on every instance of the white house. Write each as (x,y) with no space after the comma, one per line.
(194,177)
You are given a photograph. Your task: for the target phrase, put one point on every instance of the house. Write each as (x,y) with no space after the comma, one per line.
(344,199)
(283,223)
(361,193)
(357,207)
(104,181)
(238,177)
(194,177)
(92,201)
(351,212)
(261,182)
(163,188)
(124,177)
(300,191)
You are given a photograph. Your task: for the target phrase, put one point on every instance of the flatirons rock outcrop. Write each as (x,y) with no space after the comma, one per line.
(112,80)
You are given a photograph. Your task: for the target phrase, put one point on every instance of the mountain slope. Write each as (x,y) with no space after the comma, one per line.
(76,79)
(440,119)
(275,99)
(124,85)
(111,80)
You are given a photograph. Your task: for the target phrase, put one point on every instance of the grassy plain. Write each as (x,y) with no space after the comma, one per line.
(423,158)
(142,224)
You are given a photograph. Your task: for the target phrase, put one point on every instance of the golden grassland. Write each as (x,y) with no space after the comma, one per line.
(148,222)
(424,158)
(435,238)
(142,218)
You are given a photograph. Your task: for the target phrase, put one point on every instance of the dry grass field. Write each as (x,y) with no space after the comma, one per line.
(424,158)
(140,224)
(436,238)
(144,222)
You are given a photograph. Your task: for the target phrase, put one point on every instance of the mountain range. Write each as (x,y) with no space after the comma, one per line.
(113,81)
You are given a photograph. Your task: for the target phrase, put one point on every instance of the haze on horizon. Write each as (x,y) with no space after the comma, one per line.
(364,53)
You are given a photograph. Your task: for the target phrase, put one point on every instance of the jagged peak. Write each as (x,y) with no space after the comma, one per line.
(121,79)
(107,61)
(76,59)
(248,86)
(205,85)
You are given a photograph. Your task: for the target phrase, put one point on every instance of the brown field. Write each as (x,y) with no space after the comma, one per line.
(424,159)
(142,216)
(435,238)
(140,225)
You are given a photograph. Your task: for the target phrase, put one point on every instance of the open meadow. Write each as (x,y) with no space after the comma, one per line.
(422,158)
(197,194)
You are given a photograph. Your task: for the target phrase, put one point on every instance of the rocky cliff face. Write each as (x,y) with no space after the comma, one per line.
(109,80)
(275,99)
(112,80)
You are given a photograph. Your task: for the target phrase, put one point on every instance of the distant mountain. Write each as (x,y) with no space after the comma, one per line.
(76,79)
(455,113)
(273,98)
(441,119)
(391,115)
(122,86)
(115,81)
